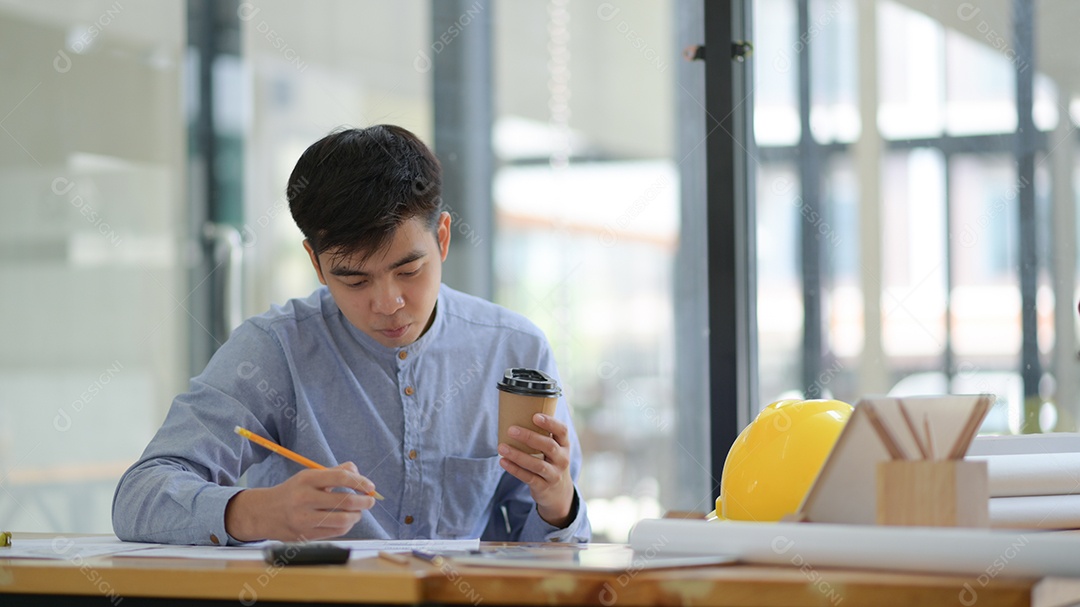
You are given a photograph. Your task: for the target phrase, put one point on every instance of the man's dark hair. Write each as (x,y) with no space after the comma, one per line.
(353,188)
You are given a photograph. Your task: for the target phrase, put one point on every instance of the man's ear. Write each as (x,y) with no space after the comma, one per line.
(443,235)
(314,261)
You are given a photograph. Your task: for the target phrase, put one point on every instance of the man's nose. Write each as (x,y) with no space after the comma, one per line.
(388,301)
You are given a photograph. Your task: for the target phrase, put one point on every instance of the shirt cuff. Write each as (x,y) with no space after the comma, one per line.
(577,531)
(209,513)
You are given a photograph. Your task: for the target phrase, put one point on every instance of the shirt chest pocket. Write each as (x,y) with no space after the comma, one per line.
(468,490)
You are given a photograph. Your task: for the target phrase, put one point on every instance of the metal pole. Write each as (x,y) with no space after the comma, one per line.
(691,271)
(810,168)
(461,58)
(873,372)
(1063,227)
(1030,366)
(730,224)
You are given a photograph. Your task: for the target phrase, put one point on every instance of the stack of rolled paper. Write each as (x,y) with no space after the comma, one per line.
(810,546)
(1034,480)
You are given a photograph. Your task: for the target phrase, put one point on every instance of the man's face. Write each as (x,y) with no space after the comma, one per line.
(391,294)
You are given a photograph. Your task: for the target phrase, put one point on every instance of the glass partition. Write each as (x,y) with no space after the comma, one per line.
(94,322)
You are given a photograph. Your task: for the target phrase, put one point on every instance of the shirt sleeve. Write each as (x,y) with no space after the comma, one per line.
(578,531)
(179,488)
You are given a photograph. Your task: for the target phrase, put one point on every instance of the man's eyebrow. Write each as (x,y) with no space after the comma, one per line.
(347,271)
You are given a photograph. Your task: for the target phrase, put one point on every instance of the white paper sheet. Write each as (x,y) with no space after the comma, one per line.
(588,557)
(253,552)
(1032,474)
(922,549)
(69,548)
(407,545)
(64,548)
(247,552)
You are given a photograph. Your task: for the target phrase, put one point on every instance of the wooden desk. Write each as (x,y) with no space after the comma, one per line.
(724,586)
(131,581)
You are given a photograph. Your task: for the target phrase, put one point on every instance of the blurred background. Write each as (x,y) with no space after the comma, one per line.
(915,175)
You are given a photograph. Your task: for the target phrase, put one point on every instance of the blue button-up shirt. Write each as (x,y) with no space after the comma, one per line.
(420,421)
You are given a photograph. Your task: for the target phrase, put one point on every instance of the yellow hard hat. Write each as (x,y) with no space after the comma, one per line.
(776,458)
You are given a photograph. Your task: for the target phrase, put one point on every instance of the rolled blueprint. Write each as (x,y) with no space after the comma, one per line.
(1032,474)
(1035,512)
(924,549)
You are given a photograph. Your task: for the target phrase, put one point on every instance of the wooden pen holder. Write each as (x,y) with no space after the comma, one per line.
(933,493)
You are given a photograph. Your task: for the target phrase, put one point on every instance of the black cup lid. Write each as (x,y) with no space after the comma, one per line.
(532,382)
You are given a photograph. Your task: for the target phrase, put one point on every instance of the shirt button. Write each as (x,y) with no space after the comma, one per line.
(409,391)
(214,540)
(403,355)
(408,520)
(412,454)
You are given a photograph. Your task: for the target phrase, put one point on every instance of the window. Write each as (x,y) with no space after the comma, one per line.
(947,254)
(97,300)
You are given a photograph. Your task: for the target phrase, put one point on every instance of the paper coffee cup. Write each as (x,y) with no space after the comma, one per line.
(522,394)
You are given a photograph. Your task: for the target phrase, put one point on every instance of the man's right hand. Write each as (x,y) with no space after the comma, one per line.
(301,508)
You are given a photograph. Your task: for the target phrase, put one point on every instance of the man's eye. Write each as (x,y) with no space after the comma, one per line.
(413,273)
(356,285)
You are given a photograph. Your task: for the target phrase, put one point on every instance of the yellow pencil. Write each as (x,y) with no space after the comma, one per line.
(294,456)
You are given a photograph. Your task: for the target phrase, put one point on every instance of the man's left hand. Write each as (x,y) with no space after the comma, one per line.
(548,477)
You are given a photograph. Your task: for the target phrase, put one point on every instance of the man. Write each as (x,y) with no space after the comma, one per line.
(384,373)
